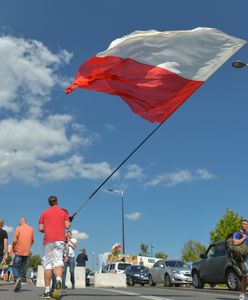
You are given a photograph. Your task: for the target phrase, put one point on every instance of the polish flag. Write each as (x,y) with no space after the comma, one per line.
(116,246)
(155,72)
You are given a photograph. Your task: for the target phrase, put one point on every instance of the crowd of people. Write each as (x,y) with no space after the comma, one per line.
(59,250)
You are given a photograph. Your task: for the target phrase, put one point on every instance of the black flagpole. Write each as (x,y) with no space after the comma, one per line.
(117,168)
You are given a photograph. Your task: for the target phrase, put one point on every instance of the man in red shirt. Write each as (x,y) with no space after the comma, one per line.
(53,223)
(21,246)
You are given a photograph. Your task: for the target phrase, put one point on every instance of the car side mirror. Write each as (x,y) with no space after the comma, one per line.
(202,256)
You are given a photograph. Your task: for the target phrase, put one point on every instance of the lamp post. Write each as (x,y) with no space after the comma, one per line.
(122,216)
(92,262)
(239,64)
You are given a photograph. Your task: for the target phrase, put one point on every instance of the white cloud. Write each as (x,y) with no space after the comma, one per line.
(9,229)
(134,172)
(183,176)
(109,126)
(35,146)
(79,235)
(205,174)
(30,150)
(133,216)
(28,74)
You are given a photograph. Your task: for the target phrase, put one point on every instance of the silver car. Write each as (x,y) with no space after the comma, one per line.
(170,272)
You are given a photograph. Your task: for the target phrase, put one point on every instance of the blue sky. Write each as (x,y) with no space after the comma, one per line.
(181,181)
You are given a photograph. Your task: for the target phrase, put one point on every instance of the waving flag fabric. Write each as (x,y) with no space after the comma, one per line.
(155,72)
(116,246)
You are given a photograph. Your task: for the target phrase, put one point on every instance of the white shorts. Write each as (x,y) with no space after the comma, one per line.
(53,255)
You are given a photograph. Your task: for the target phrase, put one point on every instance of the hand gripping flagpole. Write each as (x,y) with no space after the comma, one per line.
(117,168)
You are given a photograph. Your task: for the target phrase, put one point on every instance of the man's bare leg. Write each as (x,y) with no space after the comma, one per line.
(48,277)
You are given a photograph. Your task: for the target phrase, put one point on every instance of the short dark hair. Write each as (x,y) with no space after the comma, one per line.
(53,200)
(244,220)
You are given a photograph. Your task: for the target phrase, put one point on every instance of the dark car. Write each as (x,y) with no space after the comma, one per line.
(137,274)
(216,267)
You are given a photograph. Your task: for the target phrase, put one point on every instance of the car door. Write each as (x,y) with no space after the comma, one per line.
(218,262)
(160,271)
(206,268)
(155,271)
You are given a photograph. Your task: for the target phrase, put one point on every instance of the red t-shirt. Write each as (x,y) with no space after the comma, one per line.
(53,220)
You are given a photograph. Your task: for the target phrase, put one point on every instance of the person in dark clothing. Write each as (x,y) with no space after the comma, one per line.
(3,242)
(82,258)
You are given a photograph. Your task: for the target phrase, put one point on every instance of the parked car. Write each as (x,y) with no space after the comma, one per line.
(117,267)
(170,272)
(105,268)
(215,266)
(137,274)
(90,278)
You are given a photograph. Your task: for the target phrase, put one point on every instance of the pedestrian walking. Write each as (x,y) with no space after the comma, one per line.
(70,261)
(3,243)
(53,223)
(82,258)
(21,246)
(239,238)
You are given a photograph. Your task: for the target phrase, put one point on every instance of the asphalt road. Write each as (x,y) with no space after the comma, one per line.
(134,293)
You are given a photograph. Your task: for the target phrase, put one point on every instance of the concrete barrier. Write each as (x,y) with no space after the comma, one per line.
(79,277)
(40,277)
(110,280)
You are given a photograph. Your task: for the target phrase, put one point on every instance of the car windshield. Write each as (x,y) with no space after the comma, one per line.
(139,269)
(122,266)
(176,264)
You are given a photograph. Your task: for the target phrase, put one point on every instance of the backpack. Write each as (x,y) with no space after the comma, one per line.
(237,253)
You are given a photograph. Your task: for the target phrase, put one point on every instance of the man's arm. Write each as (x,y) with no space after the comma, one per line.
(32,236)
(41,223)
(238,242)
(15,237)
(67,224)
(5,248)
(41,227)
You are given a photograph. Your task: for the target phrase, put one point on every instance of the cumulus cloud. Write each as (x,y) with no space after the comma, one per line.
(36,145)
(30,149)
(134,172)
(9,229)
(79,235)
(28,74)
(183,176)
(109,126)
(133,216)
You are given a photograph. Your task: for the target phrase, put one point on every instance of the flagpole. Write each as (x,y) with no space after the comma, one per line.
(116,169)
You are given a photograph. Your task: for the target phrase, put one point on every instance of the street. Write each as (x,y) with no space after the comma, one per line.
(134,293)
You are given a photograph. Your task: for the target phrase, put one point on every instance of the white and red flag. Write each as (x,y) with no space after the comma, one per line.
(116,246)
(155,72)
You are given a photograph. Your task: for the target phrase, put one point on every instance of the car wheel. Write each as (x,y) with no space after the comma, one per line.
(151,283)
(132,283)
(197,281)
(177,284)
(167,281)
(232,280)
(128,281)
(142,284)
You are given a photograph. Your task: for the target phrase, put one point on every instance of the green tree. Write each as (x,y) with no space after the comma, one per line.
(116,252)
(144,249)
(34,261)
(9,260)
(230,222)
(191,250)
(161,255)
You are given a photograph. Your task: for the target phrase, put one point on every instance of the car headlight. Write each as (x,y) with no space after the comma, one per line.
(175,272)
(136,275)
